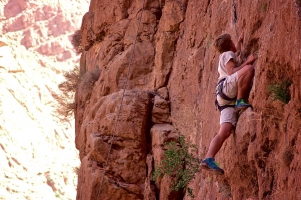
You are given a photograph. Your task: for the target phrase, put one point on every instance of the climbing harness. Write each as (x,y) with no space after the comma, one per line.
(121,103)
(219,92)
(234,19)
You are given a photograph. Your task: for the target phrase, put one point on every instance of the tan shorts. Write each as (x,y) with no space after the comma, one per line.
(228,115)
(230,90)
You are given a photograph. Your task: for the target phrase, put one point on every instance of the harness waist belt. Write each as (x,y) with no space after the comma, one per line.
(219,91)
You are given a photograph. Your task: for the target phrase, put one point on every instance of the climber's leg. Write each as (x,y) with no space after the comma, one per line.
(245,78)
(215,145)
(217,142)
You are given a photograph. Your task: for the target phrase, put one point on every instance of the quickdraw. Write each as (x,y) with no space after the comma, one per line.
(234,19)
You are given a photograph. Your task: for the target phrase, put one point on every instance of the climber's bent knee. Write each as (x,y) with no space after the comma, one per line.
(225,130)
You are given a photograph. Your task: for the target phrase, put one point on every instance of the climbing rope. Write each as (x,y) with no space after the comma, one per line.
(121,103)
(234,19)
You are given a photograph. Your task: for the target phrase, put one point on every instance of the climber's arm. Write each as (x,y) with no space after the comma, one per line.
(231,67)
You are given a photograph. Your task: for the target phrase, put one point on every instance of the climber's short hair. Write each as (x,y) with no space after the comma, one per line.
(222,43)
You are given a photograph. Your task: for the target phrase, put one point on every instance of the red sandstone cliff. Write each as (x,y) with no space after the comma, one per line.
(173,57)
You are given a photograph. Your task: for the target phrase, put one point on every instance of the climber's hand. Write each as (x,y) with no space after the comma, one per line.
(251,58)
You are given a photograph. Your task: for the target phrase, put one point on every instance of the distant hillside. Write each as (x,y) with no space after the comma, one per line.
(38,159)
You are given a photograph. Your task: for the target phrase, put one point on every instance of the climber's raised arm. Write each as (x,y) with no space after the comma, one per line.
(231,68)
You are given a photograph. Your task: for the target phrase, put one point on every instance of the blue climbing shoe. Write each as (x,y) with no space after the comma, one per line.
(240,106)
(212,166)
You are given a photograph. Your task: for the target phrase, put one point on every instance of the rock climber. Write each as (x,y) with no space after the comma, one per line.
(233,88)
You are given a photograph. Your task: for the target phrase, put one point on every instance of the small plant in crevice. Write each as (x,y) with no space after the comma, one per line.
(180,164)
(66,102)
(76,41)
(280,91)
(264,6)
(88,80)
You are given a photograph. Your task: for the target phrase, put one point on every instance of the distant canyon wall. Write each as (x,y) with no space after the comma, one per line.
(38,159)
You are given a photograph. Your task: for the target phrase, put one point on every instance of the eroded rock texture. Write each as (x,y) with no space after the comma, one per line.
(175,68)
(126,171)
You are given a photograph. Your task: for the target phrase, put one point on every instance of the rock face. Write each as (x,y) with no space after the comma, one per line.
(128,153)
(174,66)
(38,159)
